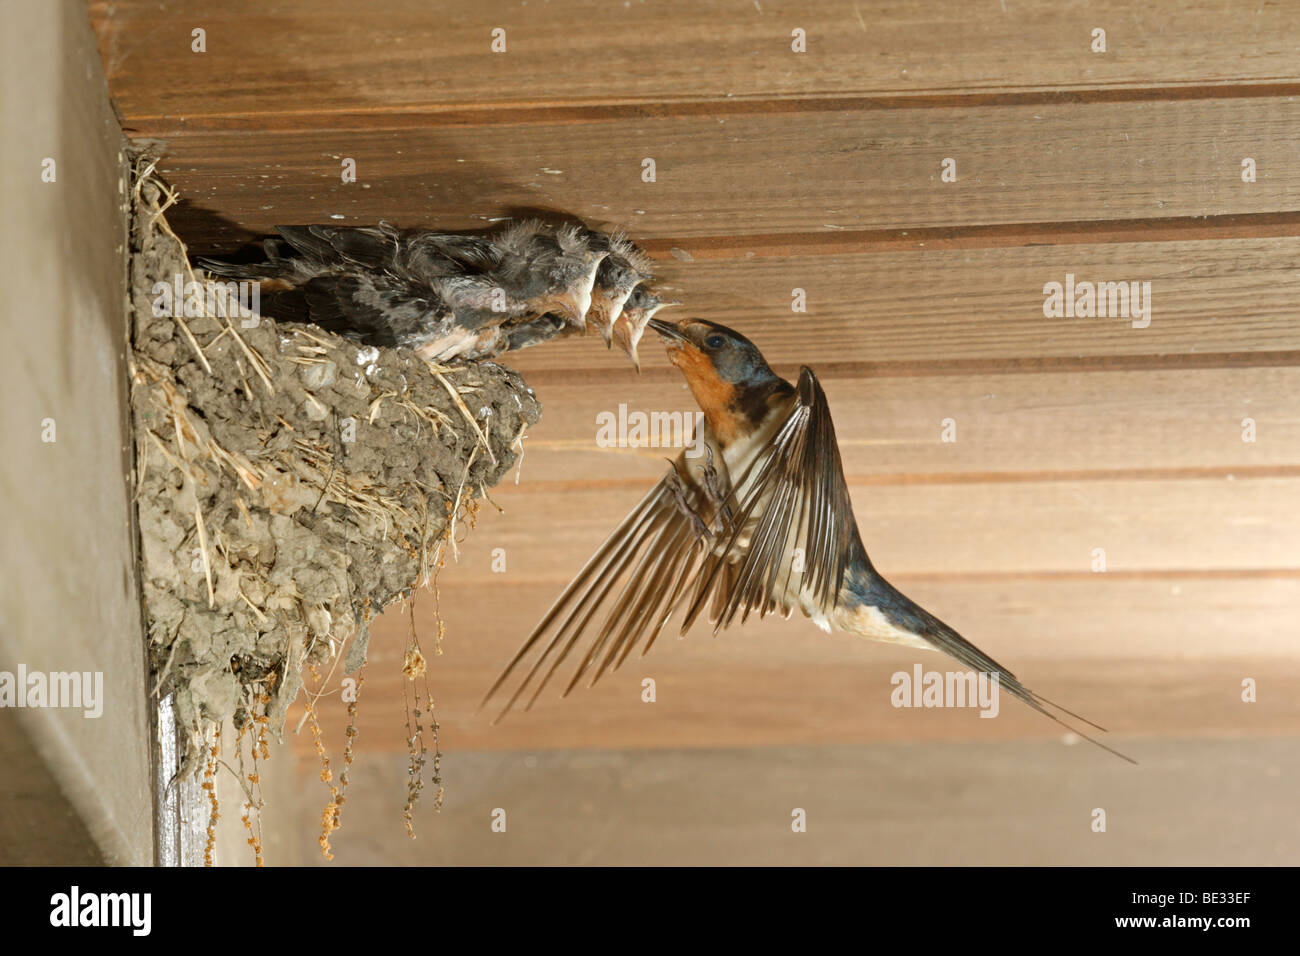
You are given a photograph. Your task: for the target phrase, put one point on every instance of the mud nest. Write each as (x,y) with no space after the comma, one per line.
(290,484)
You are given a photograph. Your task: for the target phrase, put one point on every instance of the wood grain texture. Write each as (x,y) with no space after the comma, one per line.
(955,526)
(977,308)
(820,171)
(1153,656)
(1191,802)
(798,172)
(299,59)
(1157,422)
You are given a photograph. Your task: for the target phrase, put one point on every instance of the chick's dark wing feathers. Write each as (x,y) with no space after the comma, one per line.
(302,252)
(656,559)
(447,253)
(356,282)
(373,247)
(370,307)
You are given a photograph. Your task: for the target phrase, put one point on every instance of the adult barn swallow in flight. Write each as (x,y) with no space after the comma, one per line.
(759,523)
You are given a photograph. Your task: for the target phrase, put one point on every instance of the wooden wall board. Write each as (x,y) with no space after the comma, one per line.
(952,525)
(1146,655)
(800,172)
(820,171)
(1152,422)
(1194,802)
(311,58)
(978,310)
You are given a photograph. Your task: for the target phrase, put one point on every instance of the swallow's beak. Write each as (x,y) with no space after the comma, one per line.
(667,330)
(631,352)
(599,316)
(575,304)
(594,259)
(577,301)
(606,309)
(612,314)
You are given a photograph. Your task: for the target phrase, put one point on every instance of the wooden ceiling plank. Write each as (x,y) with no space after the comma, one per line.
(891,429)
(803,175)
(951,527)
(977,309)
(319,56)
(1146,657)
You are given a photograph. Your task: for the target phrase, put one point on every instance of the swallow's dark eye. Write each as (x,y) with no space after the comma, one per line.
(715,341)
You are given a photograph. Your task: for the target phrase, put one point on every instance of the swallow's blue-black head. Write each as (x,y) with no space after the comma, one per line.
(726,372)
(693,343)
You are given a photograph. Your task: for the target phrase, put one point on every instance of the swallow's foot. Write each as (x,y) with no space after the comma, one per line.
(678,491)
(713,490)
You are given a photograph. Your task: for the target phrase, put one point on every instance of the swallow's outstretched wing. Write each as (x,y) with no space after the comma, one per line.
(655,548)
(716,535)
(792,525)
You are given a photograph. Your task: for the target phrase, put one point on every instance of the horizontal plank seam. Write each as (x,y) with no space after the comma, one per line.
(1188,473)
(1243,226)
(843,242)
(523,579)
(514,113)
(945,367)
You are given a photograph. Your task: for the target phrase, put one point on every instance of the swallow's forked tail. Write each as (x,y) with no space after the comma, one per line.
(906,615)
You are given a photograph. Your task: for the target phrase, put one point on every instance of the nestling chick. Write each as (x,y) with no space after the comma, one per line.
(622,270)
(552,269)
(640,308)
(355,282)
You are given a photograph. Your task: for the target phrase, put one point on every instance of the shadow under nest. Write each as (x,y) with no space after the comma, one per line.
(289,485)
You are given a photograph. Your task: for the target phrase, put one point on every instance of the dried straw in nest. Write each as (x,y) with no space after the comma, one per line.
(289,484)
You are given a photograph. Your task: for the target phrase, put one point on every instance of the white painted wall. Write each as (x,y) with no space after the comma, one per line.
(68,596)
